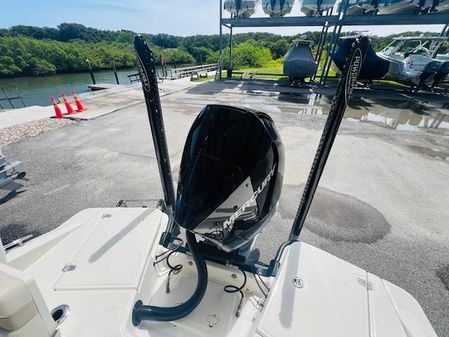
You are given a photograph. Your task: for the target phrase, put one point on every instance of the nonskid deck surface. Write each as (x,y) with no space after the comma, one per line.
(101,262)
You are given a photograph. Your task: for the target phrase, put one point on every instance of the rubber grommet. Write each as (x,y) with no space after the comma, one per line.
(136,320)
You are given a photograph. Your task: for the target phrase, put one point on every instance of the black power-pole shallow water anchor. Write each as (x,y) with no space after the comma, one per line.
(148,78)
(351,70)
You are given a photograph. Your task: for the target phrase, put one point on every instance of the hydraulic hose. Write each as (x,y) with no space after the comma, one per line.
(143,312)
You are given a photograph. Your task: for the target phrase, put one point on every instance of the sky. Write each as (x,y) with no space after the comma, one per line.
(176,17)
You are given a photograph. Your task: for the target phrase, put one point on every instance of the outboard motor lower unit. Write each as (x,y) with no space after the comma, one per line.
(441,74)
(427,76)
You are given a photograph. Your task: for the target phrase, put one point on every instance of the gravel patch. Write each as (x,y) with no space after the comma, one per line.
(16,133)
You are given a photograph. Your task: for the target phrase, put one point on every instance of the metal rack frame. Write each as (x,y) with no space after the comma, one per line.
(336,20)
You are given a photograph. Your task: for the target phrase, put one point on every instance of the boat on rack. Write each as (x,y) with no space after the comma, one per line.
(373,66)
(299,62)
(399,7)
(426,6)
(241,8)
(277,8)
(413,61)
(316,7)
(443,57)
(129,272)
(441,6)
(359,7)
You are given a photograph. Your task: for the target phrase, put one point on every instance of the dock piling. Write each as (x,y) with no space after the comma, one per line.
(115,72)
(92,76)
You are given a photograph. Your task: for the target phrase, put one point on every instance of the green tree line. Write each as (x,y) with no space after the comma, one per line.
(38,51)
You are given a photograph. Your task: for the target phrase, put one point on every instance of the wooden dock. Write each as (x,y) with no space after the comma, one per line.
(192,71)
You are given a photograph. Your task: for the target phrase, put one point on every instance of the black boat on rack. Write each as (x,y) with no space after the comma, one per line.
(373,66)
(299,63)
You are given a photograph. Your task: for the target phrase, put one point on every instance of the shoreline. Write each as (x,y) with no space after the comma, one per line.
(66,73)
(20,124)
(169,66)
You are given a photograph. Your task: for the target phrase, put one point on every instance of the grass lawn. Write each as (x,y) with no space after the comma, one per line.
(274,70)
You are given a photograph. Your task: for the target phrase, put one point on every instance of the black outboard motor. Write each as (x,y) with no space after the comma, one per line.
(441,74)
(428,74)
(231,176)
(373,67)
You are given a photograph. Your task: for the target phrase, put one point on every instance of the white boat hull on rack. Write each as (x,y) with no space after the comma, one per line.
(314,7)
(406,70)
(241,8)
(412,62)
(399,7)
(443,6)
(358,7)
(277,8)
(100,262)
(425,6)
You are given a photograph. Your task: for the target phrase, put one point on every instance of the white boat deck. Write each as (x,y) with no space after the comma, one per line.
(100,263)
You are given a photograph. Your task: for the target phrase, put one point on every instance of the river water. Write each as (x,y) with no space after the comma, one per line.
(38,90)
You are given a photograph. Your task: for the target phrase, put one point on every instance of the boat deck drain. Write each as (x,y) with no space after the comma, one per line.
(60,313)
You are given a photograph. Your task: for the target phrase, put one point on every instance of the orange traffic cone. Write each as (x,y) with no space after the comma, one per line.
(79,106)
(58,111)
(69,108)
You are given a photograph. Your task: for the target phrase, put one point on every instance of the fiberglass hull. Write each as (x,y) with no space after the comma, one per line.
(241,8)
(277,8)
(313,7)
(399,7)
(373,67)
